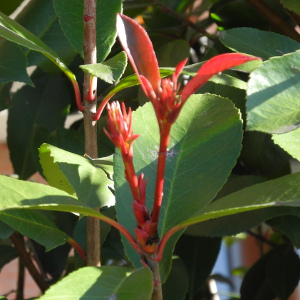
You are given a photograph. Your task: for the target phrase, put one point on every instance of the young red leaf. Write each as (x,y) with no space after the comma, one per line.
(139,50)
(212,67)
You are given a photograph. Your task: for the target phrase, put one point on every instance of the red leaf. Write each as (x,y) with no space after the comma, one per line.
(139,50)
(212,67)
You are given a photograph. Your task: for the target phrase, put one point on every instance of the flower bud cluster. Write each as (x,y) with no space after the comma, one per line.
(121,134)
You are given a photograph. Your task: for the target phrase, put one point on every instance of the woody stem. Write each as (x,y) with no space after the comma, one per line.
(90,126)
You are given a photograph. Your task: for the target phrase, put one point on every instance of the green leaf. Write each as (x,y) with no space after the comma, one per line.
(106,164)
(70,13)
(258,43)
(289,141)
(236,223)
(5,231)
(17,194)
(280,192)
(13,63)
(80,175)
(55,177)
(273,89)
(236,95)
(260,155)
(176,286)
(49,31)
(56,40)
(7,254)
(172,53)
(45,106)
(111,70)
(292,5)
(14,32)
(103,283)
(199,255)
(197,166)
(288,225)
(225,79)
(36,226)
(283,273)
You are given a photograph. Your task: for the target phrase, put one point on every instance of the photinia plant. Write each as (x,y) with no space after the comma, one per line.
(167,102)
(176,159)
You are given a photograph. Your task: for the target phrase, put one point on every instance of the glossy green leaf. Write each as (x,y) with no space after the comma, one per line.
(36,226)
(235,94)
(55,177)
(5,231)
(260,155)
(289,141)
(176,286)
(19,194)
(36,12)
(46,105)
(272,94)
(12,31)
(57,41)
(7,254)
(48,30)
(283,273)
(172,53)
(70,13)
(279,192)
(197,166)
(199,255)
(292,5)
(258,43)
(236,223)
(103,283)
(80,175)
(106,164)
(13,63)
(111,70)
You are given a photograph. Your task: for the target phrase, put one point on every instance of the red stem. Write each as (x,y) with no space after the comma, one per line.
(77,95)
(99,111)
(131,177)
(124,231)
(77,247)
(161,163)
(164,240)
